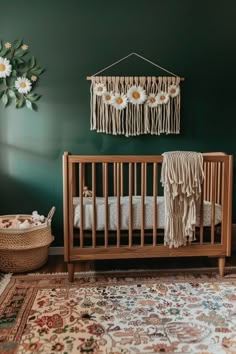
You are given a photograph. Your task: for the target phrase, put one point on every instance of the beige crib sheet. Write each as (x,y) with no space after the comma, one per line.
(136,212)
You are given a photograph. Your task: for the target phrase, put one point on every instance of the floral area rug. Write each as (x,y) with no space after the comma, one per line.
(119,314)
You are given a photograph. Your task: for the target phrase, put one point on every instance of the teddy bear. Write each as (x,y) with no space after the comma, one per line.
(87,193)
(37,219)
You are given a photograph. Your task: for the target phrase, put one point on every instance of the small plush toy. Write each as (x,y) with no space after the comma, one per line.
(25,224)
(4,224)
(86,192)
(15,222)
(37,219)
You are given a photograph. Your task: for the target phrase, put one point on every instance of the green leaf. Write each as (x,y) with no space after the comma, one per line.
(1,93)
(5,99)
(20,103)
(17,43)
(32,62)
(28,104)
(4,51)
(37,71)
(20,52)
(11,93)
(31,105)
(14,73)
(33,97)
(0,45)
(17,61)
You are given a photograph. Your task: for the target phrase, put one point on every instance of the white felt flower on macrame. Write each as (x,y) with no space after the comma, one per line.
(99,89)
(162,97)
(5,67)
(119,101)
(173,90)
(152,100)
(23,85)
(136,94)
(108,97)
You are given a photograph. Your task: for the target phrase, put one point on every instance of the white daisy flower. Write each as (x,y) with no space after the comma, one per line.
(119,101)
(99,89)
(23,85)
(162,97)
(173,90)
(136,94)
(152,100)
(108,97)
(5,67)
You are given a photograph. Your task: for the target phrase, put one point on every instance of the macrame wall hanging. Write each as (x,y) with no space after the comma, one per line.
(135,105)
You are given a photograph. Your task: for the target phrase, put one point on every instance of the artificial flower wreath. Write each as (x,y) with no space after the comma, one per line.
(18,75)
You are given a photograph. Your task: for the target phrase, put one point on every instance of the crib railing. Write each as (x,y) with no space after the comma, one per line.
(130,176)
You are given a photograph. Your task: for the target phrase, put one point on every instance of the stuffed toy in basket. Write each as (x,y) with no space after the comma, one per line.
(24,241)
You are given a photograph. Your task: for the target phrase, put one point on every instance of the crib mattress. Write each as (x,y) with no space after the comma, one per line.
(136,212)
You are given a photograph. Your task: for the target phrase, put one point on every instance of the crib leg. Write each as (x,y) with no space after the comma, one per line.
(221,265)
(70,267)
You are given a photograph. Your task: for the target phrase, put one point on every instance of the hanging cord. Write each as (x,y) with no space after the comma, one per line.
(140,56)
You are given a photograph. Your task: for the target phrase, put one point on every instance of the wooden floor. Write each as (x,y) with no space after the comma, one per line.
(57,264)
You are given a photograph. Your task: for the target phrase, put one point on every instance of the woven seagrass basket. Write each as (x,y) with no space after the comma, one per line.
(23,250)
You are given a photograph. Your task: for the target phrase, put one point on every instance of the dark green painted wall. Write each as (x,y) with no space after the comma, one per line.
(76,38)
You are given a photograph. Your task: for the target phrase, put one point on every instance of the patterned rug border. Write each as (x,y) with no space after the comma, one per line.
(101,279)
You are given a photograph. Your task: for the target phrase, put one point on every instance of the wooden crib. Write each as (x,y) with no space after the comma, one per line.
(128,188)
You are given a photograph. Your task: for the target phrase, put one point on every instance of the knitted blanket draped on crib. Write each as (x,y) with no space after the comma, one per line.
(182,177)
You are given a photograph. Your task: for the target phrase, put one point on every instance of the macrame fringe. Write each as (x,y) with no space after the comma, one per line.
(135,119)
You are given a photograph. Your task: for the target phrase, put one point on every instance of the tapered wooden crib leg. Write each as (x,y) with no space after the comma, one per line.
(221,265)
(70,268)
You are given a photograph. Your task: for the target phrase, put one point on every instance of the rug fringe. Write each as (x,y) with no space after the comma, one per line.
(4,282)
(118,271)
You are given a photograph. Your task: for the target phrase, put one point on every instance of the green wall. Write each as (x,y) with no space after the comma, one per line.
(76,38)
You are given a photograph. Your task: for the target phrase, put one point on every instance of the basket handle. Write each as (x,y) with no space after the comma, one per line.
(50,214)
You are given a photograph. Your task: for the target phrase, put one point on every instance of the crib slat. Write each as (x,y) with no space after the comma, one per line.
(155,203)
(213,200)
(218,200)
(135,178)
(114,178)
(105,177)
(209,181)
(121,180)
(145,179)
(130,203)
(94,205)
(81,186)
(142,202)
(201,214)
(118,205)
(205,181)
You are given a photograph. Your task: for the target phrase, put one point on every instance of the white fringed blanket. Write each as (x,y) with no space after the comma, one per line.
(182,176)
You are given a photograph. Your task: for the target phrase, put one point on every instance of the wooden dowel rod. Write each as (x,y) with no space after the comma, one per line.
(91,77)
